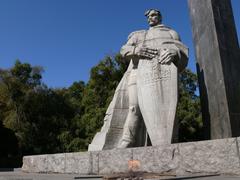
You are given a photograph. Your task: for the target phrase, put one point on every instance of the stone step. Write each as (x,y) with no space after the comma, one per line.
(213,156)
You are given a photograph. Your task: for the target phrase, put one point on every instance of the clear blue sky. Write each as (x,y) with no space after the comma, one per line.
(68,37)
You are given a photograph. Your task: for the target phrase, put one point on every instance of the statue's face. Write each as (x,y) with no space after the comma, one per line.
(153,18)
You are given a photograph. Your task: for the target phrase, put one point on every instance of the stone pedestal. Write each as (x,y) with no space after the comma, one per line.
(215,156)
(218,64)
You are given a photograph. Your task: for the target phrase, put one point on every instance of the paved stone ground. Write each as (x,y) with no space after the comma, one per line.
(34,176)
(38,176)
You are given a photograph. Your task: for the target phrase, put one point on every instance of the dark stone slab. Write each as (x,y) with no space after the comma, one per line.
(218,66)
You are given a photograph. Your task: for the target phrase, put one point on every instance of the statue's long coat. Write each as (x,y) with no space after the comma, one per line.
(157,87)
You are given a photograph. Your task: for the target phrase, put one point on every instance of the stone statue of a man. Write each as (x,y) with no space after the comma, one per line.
(148,92)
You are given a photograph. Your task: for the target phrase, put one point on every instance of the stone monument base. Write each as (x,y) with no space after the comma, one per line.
(213,156)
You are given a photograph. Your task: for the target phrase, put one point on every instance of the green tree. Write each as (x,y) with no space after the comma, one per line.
(188,110)
(49,114)
(36,114)
(15,84)
(73,137)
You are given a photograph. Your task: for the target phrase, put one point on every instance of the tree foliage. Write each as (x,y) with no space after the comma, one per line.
(188,110)
(36,114)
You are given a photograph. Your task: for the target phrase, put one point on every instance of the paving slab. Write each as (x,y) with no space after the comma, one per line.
(147,176)
(43,176)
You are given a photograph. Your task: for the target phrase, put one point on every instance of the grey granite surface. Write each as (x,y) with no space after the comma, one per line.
(214,156)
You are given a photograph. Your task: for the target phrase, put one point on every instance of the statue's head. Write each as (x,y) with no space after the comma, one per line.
(154,17)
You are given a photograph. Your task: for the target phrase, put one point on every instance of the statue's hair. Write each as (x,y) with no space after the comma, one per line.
(156,10)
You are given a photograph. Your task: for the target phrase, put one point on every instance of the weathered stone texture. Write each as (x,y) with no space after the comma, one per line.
(217,55)
(94,163)
(157,159)
(37,163)
(114,161)
(215,156)
(78,163)
(56,163)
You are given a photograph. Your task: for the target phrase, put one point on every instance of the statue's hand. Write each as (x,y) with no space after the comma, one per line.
(168,55)
(144,52)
